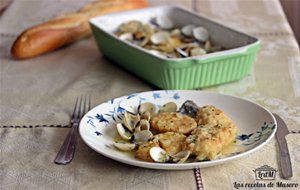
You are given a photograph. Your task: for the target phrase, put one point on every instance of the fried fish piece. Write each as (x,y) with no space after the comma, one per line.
(173,122)
(211,115)
(207,141)
(143,150)
(171,142)
(215,131)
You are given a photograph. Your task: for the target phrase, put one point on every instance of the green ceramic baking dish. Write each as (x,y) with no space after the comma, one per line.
(177,73)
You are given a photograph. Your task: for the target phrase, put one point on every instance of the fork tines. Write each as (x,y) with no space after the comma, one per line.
(82,105)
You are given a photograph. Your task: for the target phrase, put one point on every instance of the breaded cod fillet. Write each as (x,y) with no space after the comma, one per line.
(143,151)
(212,116)
(215,131)
(173,122)
(207,141)
(171,142)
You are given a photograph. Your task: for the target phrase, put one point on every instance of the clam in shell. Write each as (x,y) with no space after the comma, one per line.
(141,137)
(126,36)
(143,125)
(131,27)
(170,46)
(123,132)
(188,30)
(159,155)
(197,51)
(145,116)
(168,107)
(147,107)
(207,46)
(181,52)
(164,22)
(175,33)
(157,53)
(201,34)
(160,37)
(181,156)
(125,146)
(130,120)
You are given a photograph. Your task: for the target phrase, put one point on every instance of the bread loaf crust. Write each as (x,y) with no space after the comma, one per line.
(66,29)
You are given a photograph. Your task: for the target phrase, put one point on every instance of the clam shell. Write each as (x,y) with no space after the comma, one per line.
(168,107)
(160,37)
(175,33)
(142,125)
(125,146)
(126,36)
(131,26)
(164,22)
(188,30)
(181,156)
(145,116)
(181,52)
(170,46)
(197,51)
(130,120)
(125,134)
(207,46)
(159,155)
(147,107)
(157,53)
(144,41)
(189,45)
(201,34)
(141,137)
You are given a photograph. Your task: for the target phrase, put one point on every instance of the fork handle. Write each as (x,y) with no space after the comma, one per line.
(285,160)
(67,150)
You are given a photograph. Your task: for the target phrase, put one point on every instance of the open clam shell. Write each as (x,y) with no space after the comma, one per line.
(147,107)
(168,107)
(181,52)
(197,51)
(125,146)
(123,132)
(188,30)
(160,37)
(207,46)
(141,137)
(145,116)
(159,155)
(181,156)
(131,26)
(130,120)
(201,34)
(126,36)
(175,33)
(157,53)
(163,22)
(143,125)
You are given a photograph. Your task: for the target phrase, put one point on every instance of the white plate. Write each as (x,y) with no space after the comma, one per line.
(256,125)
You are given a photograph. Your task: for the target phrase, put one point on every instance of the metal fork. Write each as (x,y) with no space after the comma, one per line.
(67,150)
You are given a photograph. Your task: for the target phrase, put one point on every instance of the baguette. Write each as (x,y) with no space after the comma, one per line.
(66,29)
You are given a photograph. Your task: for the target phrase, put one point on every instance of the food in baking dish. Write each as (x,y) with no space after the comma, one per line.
(161,38)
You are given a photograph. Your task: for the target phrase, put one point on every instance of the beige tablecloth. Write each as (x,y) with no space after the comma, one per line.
(42,91)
